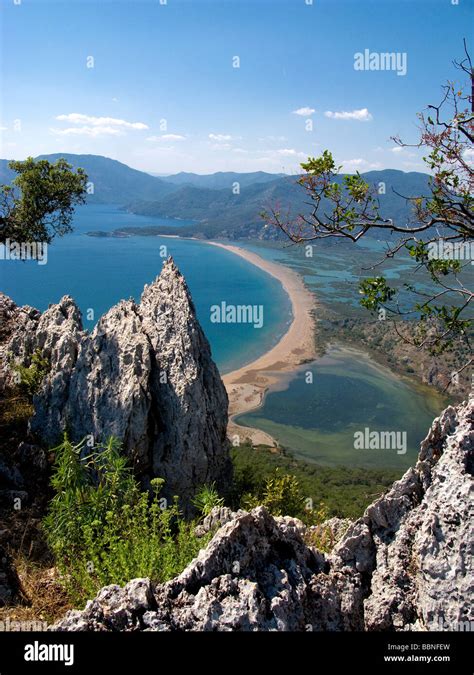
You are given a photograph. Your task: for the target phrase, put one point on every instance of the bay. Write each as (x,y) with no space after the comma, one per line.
(99,271)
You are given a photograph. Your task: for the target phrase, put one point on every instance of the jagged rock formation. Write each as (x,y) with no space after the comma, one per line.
(423,534)
(219,515)
(145,375)
(12,319)
(406,564)
(252,575)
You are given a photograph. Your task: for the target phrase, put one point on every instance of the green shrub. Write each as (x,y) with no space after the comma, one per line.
(30,377)
(281,494)
(207,498)
(103,530)
(344,491)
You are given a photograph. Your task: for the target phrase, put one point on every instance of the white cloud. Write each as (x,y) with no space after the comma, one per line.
(166,137)
(3,128)
(164,148)
(361,115)
(415,165)
(104,122)
(273,138)
(240,150)
(468,155)
(290,152)
(220,137)
(304,112)
(88,131)
(359,163)
(399,150)
(221,146)
(354,162)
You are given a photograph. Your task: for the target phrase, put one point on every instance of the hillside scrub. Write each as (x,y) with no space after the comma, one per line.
(102,529)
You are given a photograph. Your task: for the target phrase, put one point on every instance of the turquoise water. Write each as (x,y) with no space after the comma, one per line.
(317,422)
(98,272)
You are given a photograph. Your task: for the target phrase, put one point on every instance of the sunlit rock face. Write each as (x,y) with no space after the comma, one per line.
(144,375)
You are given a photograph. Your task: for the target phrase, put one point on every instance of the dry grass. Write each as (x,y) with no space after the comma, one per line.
(15,411)
(320,537)
(45,600)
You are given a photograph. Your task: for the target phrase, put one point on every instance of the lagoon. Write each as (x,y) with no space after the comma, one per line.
(318,412)
(317,423)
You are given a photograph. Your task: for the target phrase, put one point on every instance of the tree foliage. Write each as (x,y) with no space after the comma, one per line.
(439,236)
(39,204)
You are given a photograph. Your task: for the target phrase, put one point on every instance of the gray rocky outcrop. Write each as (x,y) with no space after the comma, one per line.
(253,575)
(405,565)
(219,515)
(13,319)
(423,535)
(145,375)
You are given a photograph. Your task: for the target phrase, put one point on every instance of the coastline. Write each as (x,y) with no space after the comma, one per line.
(246,386)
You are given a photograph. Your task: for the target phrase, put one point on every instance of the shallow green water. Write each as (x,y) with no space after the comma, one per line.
(349,392)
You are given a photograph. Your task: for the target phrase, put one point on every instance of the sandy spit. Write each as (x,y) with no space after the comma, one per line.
(246,387)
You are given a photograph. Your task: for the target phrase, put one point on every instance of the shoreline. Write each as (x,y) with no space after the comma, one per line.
(247,386)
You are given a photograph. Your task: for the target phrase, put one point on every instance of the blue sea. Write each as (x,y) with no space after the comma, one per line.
(99,271)
(316,423)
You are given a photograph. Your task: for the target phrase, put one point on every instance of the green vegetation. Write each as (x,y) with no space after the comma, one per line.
(39,204)
(102,529)
(282,495)
(289,487)
(207,498)
(438,235)
(30,376)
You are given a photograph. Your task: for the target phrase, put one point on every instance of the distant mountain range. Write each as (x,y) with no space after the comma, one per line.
(114,182)
(221,179)
(213,200)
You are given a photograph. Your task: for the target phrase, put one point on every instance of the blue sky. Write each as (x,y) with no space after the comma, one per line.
(163,95)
